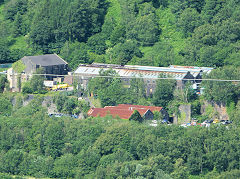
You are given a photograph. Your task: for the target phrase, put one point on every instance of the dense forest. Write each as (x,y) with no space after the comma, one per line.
(34,144)
(143,32)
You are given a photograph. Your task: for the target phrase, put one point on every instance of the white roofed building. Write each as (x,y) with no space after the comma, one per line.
(149,74)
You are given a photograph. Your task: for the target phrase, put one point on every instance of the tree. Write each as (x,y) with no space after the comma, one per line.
(189,20)
(136,116)
(60,100)
(164,92)
(64,166)
(14,7)
(97,43)
(144,28)
(97,84)
(75,53)
(4,52)
(220,91)
(5,106)
(54,139)
(124,52)
(3,81)
(180,171)
(27,88)
(37,81)
(113,94)
(11,161)
(69,105)
(108,88)
(117,35)
(163,54)
(185,94)
(18,22)
(137,91)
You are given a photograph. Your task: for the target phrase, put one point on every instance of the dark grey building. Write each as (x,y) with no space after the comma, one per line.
(51,64)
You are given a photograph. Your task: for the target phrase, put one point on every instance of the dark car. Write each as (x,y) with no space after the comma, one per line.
(165,121)
(225,122)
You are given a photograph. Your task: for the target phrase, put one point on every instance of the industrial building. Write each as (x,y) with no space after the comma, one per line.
(149,74)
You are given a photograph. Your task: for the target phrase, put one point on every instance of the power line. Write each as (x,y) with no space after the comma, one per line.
(131,77)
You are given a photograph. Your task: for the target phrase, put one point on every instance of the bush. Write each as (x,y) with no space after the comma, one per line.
(27,88)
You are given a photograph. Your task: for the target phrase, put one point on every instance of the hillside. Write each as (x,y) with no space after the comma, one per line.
(143,32)
(39,145)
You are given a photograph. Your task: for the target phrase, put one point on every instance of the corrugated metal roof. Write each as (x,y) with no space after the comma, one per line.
(192,68)
(158,69)
(131,71)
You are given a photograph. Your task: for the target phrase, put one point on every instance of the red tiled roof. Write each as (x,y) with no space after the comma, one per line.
(142,111)
(102,112)
(151,108)
(124,111)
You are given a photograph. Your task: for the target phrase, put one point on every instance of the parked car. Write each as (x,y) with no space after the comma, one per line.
(164,121)
(183,125)
(215,121)
(58,115)
(225,122)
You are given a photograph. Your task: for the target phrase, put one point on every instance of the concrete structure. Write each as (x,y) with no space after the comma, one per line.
(51,64)
(184,116)
(148,73)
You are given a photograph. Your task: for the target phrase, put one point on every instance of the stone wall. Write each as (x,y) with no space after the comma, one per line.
(219,110)
(47,102)
(184,115)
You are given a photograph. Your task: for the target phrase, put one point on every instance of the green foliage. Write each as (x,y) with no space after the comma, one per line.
(110,90)
(185,94)
(69,105)
(187,32)
(18,66)
(27,88)
(144,28)
(11,160)
(97,43)
(137,91)
(3,81)
(36,83)
(64,166)
(76,53)
(4,52)
(33,144)
(117,35)
(5,106)
(157,116)
(143,32)
(219,91)
(136,116)
(189,20)
(122,53)
(18,102)
(163,93)
(195,108)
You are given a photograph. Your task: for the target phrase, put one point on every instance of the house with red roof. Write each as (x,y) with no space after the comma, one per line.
(124,111)
(102,112)
(151,108)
